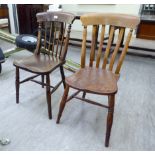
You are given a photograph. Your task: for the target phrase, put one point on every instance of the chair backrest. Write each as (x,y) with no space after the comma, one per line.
(114,21)
(54,33)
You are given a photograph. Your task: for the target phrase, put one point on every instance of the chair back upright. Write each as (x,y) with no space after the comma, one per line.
(115,22)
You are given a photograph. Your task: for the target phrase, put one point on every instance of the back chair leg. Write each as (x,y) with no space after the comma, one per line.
(63,103)
(17,85)
(62,76)
(111,102)
(48,96)
(84,94)
(42,80)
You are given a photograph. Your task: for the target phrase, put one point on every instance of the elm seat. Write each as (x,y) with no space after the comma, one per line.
(39,63)
(93,80)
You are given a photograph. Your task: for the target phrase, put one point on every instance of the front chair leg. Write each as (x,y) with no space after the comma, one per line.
(48,96)
(17,85)
(63,103)
(62,76)
(111,102)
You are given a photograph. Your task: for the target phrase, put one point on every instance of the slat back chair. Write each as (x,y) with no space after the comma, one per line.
(52,45)
(100,78)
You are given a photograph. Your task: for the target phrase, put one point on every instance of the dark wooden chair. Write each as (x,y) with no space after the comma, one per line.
(52,44)
(98,77)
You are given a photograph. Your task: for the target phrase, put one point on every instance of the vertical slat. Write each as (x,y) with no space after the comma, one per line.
(37,51)
(49,45)
(122,56)
(45,37)
(62,39)
(92,51)
(100,46)
(58,40)
(108,47)
(83,49)
(53,42)
(119,40)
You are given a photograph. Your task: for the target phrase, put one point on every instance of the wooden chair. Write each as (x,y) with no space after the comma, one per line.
(52,44)
(98,77)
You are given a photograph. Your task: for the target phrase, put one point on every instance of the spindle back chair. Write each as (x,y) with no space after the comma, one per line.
(99,77)
(51,49)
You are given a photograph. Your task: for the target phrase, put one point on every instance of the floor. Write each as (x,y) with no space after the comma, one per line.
(5,46)
(82,126)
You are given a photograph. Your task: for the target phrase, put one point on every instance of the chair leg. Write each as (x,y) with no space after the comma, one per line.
(0,67)
(42,80)
(63,103)
(17,85)
(84,94)
(62,76)
(111,102)
(48,96)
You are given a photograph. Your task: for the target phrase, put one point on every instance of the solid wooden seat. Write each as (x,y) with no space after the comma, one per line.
(50,53)
(100,78)
(93,80)
(42,63)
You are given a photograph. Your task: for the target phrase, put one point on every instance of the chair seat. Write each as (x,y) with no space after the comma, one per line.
(94,80)
(42,63)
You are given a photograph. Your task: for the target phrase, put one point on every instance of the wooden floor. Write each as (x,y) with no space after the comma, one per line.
(82,126)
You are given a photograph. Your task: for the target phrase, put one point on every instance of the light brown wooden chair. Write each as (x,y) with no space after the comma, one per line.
(98,77)
(52,44)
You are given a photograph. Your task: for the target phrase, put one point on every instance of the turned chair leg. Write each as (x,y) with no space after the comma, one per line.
(42,80)
(84,94)
(63,103)
(0,67)
(62,76)
(111,102)
(17,85)
(48,96)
